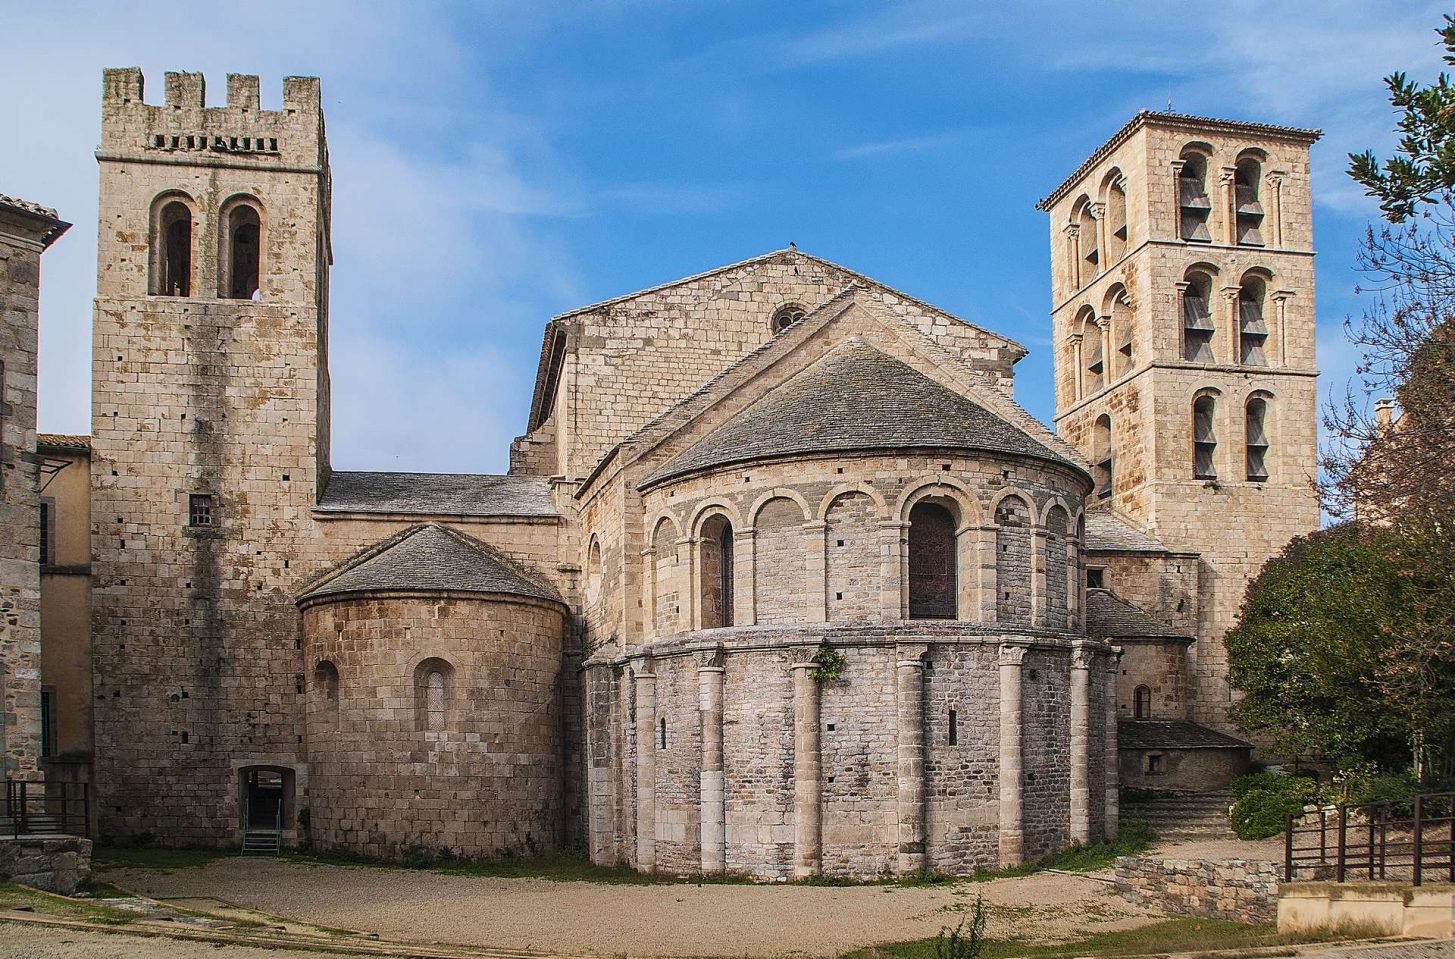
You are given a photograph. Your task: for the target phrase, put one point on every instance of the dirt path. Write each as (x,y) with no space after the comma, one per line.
(672,920)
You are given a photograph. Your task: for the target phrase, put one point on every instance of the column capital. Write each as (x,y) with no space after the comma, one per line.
(1097,210)
(1281,296)
(641,667)
(1082,656)
(711,660)
(1072,230)
(1012,655)
(1074,338)
(1227,174)
(910,654)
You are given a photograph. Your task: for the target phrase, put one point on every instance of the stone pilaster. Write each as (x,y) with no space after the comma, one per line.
(713,797)
(1109,758)
(985,572)
(1012,766)
(1081,659)
(807,772)
(745,558)
(909,683)
(816,599)
(894,571)
(646,728)
(1040,569)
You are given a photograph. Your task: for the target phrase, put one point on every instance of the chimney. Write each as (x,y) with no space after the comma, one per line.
(1384,413)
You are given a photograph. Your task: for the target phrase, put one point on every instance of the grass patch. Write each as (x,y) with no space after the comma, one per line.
(15,896)
(153,857)
(1133,837)
(1169,935)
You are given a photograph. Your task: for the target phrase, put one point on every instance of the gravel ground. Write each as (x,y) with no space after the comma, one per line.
(1443,949)
(1269,850)
(674,920)
(20,941)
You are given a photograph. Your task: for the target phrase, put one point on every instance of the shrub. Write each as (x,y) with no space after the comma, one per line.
(962,943)
(1264,801)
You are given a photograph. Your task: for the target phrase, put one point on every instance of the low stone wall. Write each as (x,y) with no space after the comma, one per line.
(1239,889)
(53,863)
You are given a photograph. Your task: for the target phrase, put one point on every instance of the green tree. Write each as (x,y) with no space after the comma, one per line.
(1308,643)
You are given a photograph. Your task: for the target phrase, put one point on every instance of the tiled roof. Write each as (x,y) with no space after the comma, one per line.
(855,398)
(429,558)
(1111,617)
(56,226)
(63,441)
(437,494)
(1173,734)
(1177,120)
(1108,532)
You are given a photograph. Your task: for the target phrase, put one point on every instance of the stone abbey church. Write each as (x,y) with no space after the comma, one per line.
(781,581)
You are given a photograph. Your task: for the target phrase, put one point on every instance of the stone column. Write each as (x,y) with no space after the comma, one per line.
(1230,205)
(646,725)
(1181,308)
(1078,389)
(689,583)
(1110,759)
(745,560)
(650,589)
(1098,219)
(1274,213)
(1280,307)
(1040,586)
(1073,253)
(1012,829)
(1081,658)
(894,571)
(712,796)
(807,772)
(986,572)
(1230,341)
(816,598)
(909,676)
(1176,232)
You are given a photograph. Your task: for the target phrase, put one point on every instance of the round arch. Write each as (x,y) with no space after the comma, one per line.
(779,493)
(842,489)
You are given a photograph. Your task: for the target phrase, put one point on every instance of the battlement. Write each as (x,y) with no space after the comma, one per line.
(184,122)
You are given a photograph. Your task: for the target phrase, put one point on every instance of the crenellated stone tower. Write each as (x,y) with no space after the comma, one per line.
(210,443)
(1183,326)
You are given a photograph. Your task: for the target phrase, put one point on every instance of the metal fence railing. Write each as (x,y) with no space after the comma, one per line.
(1409,840)
(33,808)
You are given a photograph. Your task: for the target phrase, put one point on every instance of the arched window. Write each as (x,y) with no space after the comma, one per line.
(716,559)
(593,571)
(1204,437)
(1101,455)
(1247,210)
(1121,332)
(1116,219)
(933,582)
(1091,352)
(786,316)
(1090,255)
(1197,321)
(172,250)
(1256,430)
(432,680)
(242,234)
(1252,330)
(1142,703)
(1193,204)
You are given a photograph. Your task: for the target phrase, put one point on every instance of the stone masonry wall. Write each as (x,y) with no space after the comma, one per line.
(20,745)
(1236,889)
(384,781)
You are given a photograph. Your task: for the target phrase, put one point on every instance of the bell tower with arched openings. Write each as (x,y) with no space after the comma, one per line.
(210,437)
(1182,290)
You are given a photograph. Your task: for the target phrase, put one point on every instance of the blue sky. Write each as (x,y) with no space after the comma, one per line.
(497,163)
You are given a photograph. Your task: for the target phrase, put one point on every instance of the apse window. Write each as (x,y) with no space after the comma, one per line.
(200,510)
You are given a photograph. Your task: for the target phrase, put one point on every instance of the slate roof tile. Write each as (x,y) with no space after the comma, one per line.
(431,558)
(1111,617)
(854,399)
(1108,532)
(437,494)
(1173,734)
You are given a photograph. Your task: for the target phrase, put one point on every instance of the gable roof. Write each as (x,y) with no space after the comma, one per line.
(429,558)
(1177,121)
(552,352)
(1108,532)
(47,222)
(1111,617)
(855,398)
(436,494)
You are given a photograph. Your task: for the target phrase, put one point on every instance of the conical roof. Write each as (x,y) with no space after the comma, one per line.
(856,398)
(430,558)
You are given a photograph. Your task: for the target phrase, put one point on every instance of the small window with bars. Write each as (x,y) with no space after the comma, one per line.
(1095,577)
(201,511)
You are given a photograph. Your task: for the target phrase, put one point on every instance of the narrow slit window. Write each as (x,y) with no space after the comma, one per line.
(954,728)
(1142,703)
(662,733)
(1102,456)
